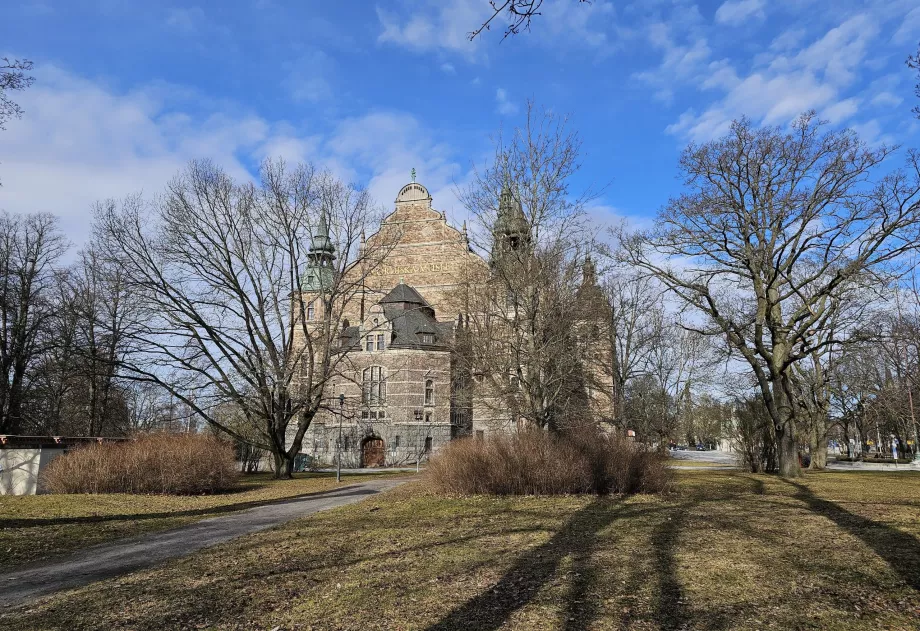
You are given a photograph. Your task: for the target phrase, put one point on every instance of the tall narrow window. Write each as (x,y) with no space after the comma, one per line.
(381,345)
(374,384)
(428,445)
(429,392)
(369,343)
(311,311)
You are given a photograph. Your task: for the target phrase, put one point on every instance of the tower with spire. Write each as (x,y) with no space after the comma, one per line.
(511,232)
(320,272)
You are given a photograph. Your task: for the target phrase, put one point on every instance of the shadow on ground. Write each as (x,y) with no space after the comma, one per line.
(211,510)
(900,550)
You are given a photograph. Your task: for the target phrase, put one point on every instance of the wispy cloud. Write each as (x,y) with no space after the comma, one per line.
(737,12)
(503,105)
(94,142)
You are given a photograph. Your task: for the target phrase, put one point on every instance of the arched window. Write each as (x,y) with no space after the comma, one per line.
(374,386)
(429,392)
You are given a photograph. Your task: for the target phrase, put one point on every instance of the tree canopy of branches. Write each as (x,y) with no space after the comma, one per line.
(522,339)
(14,77)
(913,62)
(216,267)
(30,248)
(777,233)
(519,14)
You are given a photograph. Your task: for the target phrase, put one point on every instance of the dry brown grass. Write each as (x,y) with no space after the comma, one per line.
(172,464)
(726,551)
(539,463)
(36,528)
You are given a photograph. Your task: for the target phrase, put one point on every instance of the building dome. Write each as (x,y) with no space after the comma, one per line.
(413,192)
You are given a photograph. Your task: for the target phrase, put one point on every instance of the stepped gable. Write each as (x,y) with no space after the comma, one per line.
(422,249)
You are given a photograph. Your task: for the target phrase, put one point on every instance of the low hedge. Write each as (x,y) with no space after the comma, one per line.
(540,463)
(172,464)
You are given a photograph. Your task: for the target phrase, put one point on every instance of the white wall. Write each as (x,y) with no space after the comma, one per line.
(21,467)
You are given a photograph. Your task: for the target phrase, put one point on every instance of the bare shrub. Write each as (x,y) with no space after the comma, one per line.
(540,463)
(173,464)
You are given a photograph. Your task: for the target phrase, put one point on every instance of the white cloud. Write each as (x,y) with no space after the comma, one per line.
(886,99)
(447,68)
(779,88)
(502,105)
(840,111)
(736,12)
(434,25)
(81,141)
(679,62)
(908,32)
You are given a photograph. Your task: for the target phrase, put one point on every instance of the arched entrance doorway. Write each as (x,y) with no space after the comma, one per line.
(372,452)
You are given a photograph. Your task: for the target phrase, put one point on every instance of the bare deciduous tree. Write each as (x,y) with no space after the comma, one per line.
(217,268)
(30,249)
(14,77)
(521,339)
(635,314)
(519,14)
(913,62)
(777,231)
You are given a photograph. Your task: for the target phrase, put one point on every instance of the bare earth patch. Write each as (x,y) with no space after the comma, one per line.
(727,550)
(38,527)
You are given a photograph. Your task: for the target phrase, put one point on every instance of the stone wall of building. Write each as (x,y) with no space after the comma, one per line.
(407,420)
(416,245)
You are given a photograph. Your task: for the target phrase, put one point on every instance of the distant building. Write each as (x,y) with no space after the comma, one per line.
(406,392)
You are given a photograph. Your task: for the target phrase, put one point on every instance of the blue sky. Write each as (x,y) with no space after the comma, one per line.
(127,91)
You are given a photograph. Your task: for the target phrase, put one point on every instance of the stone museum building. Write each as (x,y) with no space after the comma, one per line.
(405,392)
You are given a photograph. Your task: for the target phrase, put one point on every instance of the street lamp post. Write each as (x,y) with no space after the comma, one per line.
(418,451)
(338,459)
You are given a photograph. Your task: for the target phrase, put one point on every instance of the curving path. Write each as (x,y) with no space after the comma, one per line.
(128,555)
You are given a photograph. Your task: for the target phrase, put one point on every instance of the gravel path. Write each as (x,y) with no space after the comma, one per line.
(135,553)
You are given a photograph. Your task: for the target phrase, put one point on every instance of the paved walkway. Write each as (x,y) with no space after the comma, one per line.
(136,553)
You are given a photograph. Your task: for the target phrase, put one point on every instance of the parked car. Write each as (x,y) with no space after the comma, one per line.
(701,447)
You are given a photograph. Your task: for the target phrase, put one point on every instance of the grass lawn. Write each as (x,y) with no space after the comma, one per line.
(727,550)
(37,527)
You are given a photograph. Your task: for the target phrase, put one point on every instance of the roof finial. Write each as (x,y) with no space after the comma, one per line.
(413,174)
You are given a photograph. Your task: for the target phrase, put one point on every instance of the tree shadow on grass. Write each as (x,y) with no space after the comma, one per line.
(900,550)
(670,608)
(533,570)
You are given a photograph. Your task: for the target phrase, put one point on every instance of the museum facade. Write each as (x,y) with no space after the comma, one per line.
(405,390)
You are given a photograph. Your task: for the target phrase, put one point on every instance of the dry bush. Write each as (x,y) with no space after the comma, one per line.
(173,464)
(539,463)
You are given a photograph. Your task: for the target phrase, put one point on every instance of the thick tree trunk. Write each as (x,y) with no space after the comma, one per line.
(818,445)
(787,455)
(284,465)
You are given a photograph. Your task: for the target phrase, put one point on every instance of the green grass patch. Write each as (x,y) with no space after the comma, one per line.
(38,527)
(726,550)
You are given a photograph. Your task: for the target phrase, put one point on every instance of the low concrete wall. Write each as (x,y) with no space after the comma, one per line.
(20,468)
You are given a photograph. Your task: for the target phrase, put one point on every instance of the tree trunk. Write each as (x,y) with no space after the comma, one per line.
(787,456)
(818,445)
(284,465)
